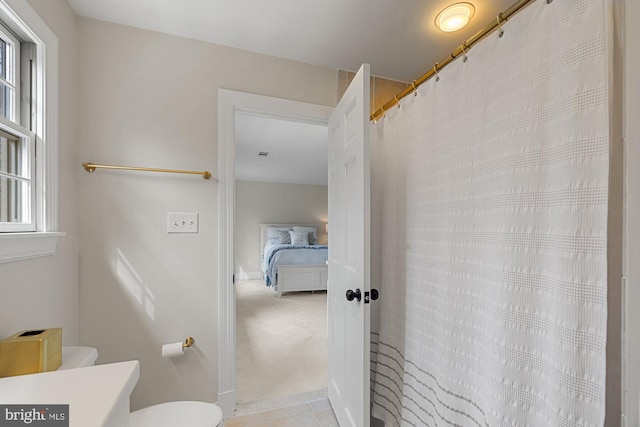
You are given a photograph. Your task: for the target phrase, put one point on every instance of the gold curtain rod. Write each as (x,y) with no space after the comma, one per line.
(90,167)
(463,48)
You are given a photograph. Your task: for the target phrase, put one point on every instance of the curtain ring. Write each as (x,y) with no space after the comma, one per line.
(464,52)
(500,30)
(435,71)
(415,89)
(397,101)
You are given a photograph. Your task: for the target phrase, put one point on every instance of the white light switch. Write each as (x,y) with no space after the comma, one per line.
(182,222)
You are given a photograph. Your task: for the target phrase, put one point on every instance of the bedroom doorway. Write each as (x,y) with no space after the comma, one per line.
(281,310)
(238,314)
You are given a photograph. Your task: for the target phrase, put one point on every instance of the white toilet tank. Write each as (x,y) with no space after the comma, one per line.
(78,357)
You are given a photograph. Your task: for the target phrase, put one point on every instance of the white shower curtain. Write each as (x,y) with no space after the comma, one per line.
(489,215)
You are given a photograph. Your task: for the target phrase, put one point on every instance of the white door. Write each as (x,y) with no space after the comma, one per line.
(349,255)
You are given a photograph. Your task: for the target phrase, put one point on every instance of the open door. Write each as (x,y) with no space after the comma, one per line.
(348,285)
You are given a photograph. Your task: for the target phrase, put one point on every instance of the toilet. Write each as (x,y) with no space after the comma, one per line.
(78,357)
(169,414)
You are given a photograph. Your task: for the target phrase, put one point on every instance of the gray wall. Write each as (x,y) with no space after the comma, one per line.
(270,203)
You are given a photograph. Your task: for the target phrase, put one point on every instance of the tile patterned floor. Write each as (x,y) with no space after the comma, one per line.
(316,412)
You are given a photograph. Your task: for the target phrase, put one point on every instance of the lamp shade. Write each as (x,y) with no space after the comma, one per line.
(455,17)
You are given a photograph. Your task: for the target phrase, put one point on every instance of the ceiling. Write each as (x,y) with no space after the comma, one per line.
(297,151)
(398,38)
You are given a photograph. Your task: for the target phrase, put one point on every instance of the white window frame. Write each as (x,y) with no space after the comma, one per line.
(24,20)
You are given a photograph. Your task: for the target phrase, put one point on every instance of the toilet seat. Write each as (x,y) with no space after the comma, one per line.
(177,414)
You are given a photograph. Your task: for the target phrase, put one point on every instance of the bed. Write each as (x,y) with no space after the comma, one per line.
(293,266)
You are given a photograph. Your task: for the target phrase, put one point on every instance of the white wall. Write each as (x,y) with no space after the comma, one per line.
(43,292)
(150,99)
(615,229)
(271,203)
(632,212)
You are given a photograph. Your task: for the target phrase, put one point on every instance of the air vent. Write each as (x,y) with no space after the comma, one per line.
(263,153)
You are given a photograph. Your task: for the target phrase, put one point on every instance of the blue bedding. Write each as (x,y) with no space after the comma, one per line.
(279,254)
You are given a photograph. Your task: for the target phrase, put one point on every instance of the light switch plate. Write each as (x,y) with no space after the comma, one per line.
(182,222)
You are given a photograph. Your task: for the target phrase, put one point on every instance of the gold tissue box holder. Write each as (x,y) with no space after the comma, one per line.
(30,352)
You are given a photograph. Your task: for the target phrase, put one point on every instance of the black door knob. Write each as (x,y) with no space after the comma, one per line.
(374,294)
(351,295)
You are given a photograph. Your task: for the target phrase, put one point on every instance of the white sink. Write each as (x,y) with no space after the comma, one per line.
(97,395)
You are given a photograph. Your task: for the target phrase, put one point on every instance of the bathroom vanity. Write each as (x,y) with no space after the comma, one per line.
(96,395)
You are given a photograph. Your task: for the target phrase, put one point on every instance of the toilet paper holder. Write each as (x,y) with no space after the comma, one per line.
(176,349)
(188,342)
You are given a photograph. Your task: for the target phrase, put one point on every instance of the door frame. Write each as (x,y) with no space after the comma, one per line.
(230,102)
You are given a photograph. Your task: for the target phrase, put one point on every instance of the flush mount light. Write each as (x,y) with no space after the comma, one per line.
(455,17)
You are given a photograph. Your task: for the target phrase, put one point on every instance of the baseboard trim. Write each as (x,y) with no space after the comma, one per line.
(227,402)
(249,276)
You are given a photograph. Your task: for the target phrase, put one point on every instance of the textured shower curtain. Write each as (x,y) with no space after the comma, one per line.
(489,215)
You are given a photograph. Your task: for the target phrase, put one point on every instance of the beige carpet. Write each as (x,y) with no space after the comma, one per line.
(281,342)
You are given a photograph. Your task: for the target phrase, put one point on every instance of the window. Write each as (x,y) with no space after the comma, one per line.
(9,75)
(16,159)
(28,133)
(17,195)
(17,153)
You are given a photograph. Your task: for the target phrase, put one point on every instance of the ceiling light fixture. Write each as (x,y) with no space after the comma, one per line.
(455,17)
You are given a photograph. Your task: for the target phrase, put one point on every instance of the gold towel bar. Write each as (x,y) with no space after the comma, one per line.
(90,167)
(189,342)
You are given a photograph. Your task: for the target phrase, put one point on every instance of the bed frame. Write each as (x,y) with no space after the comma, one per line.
(295,278)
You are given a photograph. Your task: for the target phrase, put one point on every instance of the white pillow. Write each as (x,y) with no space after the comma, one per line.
(299,238)
(273,232)
(313,235)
